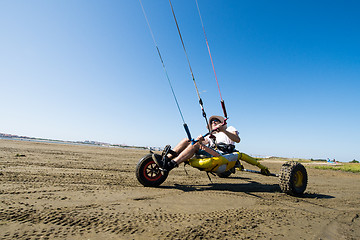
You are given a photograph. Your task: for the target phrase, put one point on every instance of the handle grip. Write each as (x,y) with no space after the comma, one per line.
(187,131)
(223,108)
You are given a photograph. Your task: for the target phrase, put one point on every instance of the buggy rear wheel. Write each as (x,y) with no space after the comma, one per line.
(225,174)
(148,173)
(293,178)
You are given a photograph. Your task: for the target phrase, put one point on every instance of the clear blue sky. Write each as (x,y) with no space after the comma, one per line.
(289,72)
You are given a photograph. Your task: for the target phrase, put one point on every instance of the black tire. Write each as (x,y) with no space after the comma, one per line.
(148,173)
(293,178)
(226,174)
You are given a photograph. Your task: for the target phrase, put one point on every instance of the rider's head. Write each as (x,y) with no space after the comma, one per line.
(214,120)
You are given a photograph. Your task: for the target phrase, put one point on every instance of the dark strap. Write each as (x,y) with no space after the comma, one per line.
(226,148)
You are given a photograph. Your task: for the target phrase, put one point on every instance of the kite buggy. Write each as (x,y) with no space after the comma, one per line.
(153,169)
(292,177)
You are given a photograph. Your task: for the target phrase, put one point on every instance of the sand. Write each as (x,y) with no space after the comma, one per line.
(58,191)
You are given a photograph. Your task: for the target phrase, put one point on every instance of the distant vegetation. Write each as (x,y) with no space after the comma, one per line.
(321,160)
(348,167)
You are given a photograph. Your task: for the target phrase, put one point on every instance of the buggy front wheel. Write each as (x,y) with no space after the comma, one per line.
(148,173)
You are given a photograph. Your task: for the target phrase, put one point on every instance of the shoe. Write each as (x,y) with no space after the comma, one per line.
(171,164)
(164,163)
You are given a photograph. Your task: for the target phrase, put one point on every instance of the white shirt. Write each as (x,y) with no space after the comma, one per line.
(222,137)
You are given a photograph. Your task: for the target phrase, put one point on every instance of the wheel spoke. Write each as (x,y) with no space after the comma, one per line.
(152,171)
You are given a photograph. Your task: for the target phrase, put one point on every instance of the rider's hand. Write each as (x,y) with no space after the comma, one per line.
(220,128)
(200,138)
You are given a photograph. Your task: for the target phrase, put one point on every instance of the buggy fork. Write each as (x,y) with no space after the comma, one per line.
(254,171)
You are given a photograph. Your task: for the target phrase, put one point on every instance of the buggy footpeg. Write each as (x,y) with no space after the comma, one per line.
(167,150)
(158,160)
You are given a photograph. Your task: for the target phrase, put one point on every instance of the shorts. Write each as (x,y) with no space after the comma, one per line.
(205,153)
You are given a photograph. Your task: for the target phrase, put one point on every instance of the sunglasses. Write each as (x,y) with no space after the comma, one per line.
(215,121)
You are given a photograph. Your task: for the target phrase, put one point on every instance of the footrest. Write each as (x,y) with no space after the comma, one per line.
(166,150)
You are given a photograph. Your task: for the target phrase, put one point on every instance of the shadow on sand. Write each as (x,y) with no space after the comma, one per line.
(251,186)
(248,187)
(316,196)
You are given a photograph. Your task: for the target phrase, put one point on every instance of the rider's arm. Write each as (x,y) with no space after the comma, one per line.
(202,140)
(233,135)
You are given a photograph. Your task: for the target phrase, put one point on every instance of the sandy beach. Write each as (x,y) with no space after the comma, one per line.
(58,191)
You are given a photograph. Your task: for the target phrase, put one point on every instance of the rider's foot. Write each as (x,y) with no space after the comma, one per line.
(171,164)
(164,163)
(265,171)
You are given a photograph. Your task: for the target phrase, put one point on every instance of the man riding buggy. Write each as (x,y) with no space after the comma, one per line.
(221,141)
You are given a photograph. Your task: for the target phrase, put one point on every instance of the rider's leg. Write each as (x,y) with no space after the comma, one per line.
(191,150)
(179,147)
(211,151)
(167,164)
(187,153)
